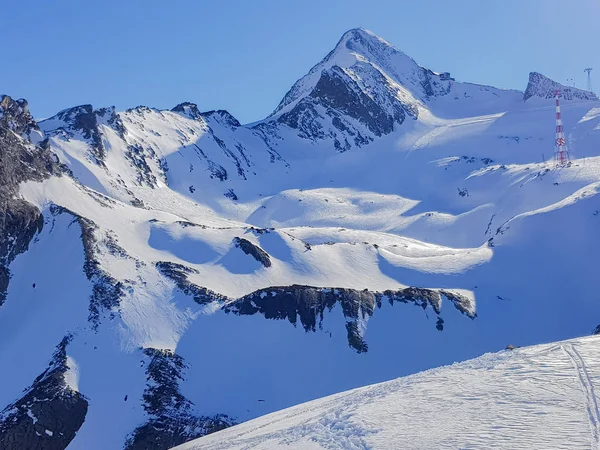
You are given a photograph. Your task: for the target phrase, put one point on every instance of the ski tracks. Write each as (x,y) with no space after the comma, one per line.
(588,390)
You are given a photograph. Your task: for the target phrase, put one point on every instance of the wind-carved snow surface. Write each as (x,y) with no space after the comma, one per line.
(534,397)
(384,220)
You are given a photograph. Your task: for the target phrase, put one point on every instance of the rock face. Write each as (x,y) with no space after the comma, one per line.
(541,86)
(49,413)
(106,290)
(14,115)
(179,273)
(188,109)
(307,305)
(255,251)
(172,421)
(20,161)
(82,122)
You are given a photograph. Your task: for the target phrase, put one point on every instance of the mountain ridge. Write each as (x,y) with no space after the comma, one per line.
(182,242)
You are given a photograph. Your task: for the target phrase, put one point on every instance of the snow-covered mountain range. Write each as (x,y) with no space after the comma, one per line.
(168,273)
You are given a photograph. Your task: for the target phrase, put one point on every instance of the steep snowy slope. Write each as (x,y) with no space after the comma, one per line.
(175,272)
(536,397)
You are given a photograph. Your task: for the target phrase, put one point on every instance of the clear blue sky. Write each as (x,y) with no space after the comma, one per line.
(243,55)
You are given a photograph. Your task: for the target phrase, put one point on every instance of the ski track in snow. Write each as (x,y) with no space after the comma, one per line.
(588,390)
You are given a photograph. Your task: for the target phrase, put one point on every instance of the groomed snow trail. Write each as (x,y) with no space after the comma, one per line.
(526,398)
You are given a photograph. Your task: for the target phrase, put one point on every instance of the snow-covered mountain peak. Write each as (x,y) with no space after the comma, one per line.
(541,86)
(363,43)
(365,88)
(357,46)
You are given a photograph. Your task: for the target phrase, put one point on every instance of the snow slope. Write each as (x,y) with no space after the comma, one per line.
(193,272)
(536,397)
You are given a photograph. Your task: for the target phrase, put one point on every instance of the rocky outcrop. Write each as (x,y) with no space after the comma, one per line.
(254,250)
(20,161)
(307,305)
(541,86)
(15,116)
(83,122)
(137,157)
(461,302)
(338,99)
(106,290)
(222,117)
(188,109)
(49,413)
(337,91)
(172,420)
(179,273)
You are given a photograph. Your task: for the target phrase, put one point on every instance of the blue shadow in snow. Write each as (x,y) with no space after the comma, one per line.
(276,246)
(190,250)
(236,261)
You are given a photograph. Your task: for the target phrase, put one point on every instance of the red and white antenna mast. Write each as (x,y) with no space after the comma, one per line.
(561,153)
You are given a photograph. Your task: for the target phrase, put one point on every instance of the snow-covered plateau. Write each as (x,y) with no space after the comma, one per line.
(165,274)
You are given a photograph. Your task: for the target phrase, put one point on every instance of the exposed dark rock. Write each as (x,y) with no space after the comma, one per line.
(188,109)
(172,419)
(230,194)
(217,171)
(472,160)
(341,98)
(82,119)
(439,325)
(112,119)
(230,154)
(543,87)
(337,91)
(304,118)
(106,291)
(15,116)
(50,412)
(307,305)
(137,157)
(179,274)
(462,303)
(355,337)
(259,231)
(19,162)
(435,85)
(596,330)
(250,249)
(223,117)
(463,192)
(185,224)
(419,296)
